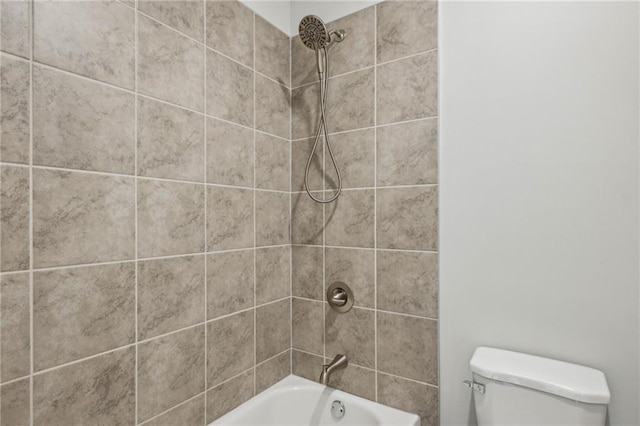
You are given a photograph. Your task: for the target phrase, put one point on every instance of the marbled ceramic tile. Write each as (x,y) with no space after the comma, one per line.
(229,218)
(78,312)
(14,108)
(352,111)
(307,277)
(272,51)
(306,325)
(272,274)
(272,162)
(227,396)
(14,27)
(306,365)
(14,326)
(229,282)
(81,124)
(170,142)
(351,334)
(303,63)
(272,371)
(306,219)
(272,107)
(356,51)
(305,110)
(300,151)
(354,267)
(408,89)
(82,36)
(229,154)
(408,282)
(170,218)
(354,153)
(82,218)
(229,90)
(407,153)
(170,66)
(408,347)
(87,392)
(170,294)
(408,218)
(190,413)
(15,403)
(230,349)
(230,29)
(351,99)
(14,218)
(356,380)
(170,370)
(273,323)
(350,219)
(410,396)
(272,218)
(185,16)
(406,28)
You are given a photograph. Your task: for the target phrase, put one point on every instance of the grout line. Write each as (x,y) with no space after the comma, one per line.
(10,55)
(206,220)
(272,357)
(174,407)
(87,358)
(110,174)
(371,369)
(372,188)
(375,201)
(290,209)
(368,67)
(208,48)
(367,308)
(140,259)
(360,129)
(367,248)
(136,233)
(255,240)
(31,192)
(149,339)
(146,96)
(230,379)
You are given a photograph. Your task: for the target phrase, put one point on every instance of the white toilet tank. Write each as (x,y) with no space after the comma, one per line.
(522,389)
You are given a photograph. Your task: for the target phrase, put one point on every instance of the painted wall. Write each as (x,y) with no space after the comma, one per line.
(539,190)
(277,12)
(286,14)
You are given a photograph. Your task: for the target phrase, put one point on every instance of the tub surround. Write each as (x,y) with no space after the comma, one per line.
(381,235)
(145,214)
(159,254)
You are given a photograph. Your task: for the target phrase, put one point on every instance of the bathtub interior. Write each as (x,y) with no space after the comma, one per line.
(298,401)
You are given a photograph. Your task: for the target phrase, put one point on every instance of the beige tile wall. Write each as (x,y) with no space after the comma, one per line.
(381,235)
(144,211)
(153,224)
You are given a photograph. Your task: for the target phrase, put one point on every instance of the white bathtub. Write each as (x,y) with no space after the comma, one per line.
(297,401)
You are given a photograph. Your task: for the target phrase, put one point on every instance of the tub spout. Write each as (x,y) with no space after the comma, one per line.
(340,361)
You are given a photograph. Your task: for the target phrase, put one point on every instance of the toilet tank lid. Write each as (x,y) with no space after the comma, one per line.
(572,381)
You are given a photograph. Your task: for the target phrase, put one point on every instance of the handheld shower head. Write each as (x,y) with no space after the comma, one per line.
(313,32)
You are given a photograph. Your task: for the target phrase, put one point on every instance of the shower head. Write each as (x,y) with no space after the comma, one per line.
(313,32)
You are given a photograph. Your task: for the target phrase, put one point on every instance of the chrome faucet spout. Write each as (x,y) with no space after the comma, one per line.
(340,361)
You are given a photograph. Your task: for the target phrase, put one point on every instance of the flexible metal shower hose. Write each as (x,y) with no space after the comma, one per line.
(322,126)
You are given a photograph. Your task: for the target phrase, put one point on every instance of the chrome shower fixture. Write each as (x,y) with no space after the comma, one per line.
(314,35)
